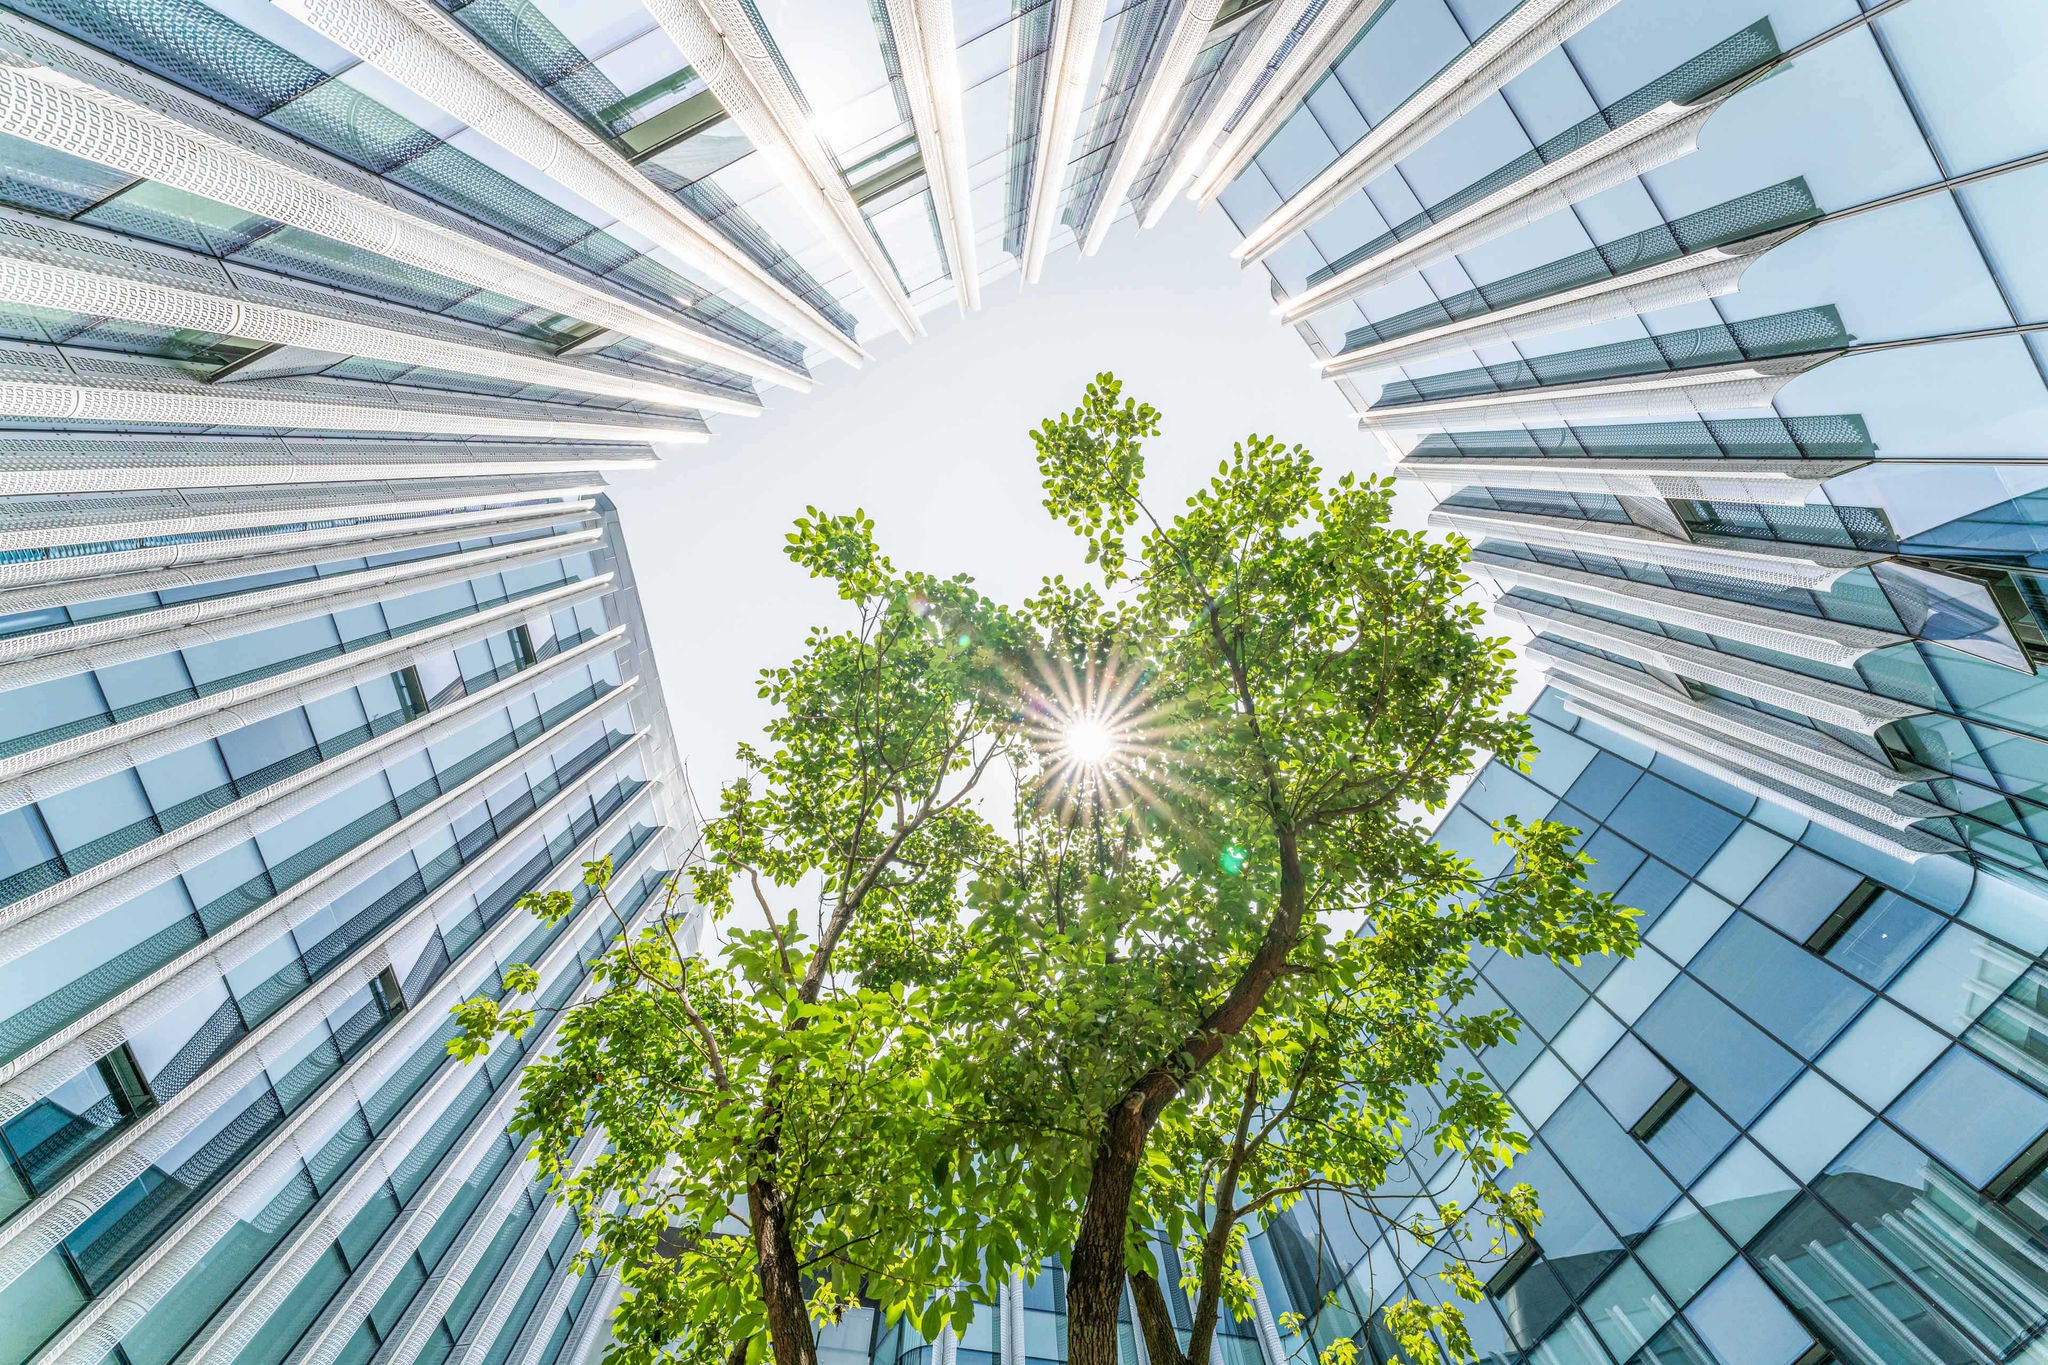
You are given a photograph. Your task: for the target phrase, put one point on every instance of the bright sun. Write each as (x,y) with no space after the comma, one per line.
(1098,733)
(1087,742)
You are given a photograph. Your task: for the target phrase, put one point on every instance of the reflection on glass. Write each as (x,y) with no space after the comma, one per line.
(1744,1190)
(1866,1311)
(1986,1263)
(2014,1031)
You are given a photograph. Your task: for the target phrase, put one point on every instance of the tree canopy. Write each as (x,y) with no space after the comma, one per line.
(1028,930)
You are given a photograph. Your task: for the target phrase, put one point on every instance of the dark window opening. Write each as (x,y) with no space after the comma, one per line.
(1661,1109)
(1844,917)
(1513,1268)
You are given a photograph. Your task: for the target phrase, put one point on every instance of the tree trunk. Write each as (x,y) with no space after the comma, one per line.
(1209,1275)
(782,1288)
(1155,1319)
(1095,1276)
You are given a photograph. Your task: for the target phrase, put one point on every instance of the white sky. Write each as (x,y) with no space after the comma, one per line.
(931,438)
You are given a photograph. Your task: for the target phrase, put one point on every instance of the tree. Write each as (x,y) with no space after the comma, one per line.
(1326,1107)
(1128,1007)
(769,1105)
(1285,680)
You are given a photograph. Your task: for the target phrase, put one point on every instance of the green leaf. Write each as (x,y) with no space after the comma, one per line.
(938,962)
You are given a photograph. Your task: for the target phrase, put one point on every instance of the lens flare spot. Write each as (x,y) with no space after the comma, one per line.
(1088,742)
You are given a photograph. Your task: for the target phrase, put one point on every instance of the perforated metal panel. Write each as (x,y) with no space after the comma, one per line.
(107,641)
(920,48)
(121,120)
(733,53)
(422,48)
(1810,748)
(1686,84)
(1803,331)
(1763,213)
(1076,32)
(97,273)
(1670,393)
(1142,128)
(45,386)
(1778,482)
(1635,148)
(1686,280)
(1840,437)
(1793,565)
(56,463)
(1876,825)
(1781,766)
(1833,703)
(1522,37)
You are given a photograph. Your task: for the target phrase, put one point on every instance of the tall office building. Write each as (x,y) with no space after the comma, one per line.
(1713,327)
(323,321)
(286,728)
(1804,1123)
(321,327)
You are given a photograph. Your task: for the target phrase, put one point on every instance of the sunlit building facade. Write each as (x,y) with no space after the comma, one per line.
(603,214)
(1805,1123)
(322,327)
(287,726)
(322,323)
(1713,327)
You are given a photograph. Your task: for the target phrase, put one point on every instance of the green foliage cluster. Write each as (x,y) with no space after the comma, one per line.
(968,1003)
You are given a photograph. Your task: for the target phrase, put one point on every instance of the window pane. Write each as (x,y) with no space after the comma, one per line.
(1971,1115)
(1677,826)
(1884,938)
(1731,1060)
(1611,1166)
(1795,995)
(1802,891)
(1873,1317)
(1740,1319)
(1931,1225)
(1684,1251)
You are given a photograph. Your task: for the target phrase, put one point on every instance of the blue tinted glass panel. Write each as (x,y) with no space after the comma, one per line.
(1612,1167)
(1651,890)
(1730,1060)
(1884,938)
(1971,1115)
(1677,826)
(1788,990)
(1603,784)
(1801,891)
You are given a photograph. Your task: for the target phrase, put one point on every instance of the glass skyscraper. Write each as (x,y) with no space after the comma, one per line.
(321,328)
(1804,1123)
(278,760)
(1713,326)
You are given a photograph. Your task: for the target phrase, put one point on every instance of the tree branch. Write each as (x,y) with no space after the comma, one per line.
(1155,1319)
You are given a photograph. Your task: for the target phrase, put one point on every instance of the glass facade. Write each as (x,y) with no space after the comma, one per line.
(1736,393)
(321,327)
(1806,1122)
(1713,328)
(1716,328)
(274,781)
(636,216)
